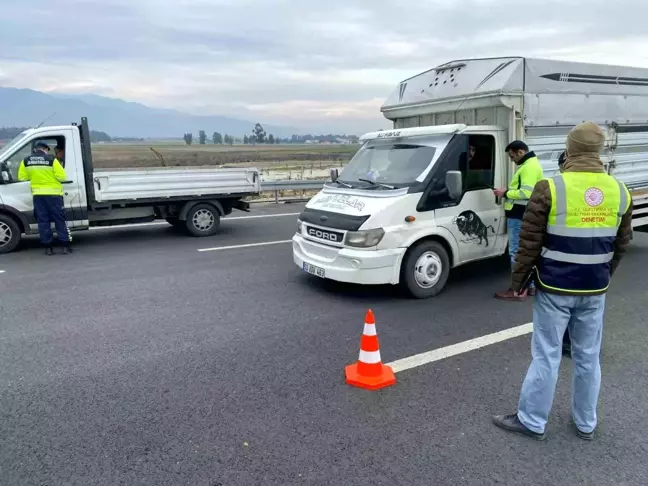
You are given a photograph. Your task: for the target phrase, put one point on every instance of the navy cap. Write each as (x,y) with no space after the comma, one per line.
(42,145)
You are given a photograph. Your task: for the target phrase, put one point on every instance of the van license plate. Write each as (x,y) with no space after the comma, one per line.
(313,270)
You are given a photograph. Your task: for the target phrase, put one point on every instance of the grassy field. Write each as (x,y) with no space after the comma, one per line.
(117,155)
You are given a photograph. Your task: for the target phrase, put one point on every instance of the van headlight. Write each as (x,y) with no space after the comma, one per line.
(299,226)
(366,238)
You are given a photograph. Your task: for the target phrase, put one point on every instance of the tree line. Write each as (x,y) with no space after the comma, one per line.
(259,136)
(7,133)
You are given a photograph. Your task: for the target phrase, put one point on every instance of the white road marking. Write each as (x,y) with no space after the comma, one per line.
(460,348)
(2,271)
(232,247)
(226,218)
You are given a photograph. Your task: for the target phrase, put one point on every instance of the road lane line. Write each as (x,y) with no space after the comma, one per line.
(248,245)
(460,348)
(226,218)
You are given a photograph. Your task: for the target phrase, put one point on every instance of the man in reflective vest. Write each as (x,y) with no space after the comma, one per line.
(45,174)
(516,197)
(575,231)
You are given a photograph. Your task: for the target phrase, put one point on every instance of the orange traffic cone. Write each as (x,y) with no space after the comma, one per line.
(369,372)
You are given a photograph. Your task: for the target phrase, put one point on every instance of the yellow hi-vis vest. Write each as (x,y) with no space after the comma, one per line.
(44,172)
(585,215)
(522,184)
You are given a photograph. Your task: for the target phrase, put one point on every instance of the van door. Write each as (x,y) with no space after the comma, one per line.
(477,220)
(18,195)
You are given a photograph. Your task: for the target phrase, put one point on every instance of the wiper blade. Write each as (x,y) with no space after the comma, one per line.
(377,183)
(343,183)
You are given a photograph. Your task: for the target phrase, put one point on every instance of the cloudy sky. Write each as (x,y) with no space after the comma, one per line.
(323,65)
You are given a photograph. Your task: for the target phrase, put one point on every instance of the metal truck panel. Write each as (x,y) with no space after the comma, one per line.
(161,183)
(553,92)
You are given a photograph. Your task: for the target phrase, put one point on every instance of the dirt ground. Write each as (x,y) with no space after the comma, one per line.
(115,155)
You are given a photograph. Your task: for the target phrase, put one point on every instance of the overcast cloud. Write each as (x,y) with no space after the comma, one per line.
(321,65)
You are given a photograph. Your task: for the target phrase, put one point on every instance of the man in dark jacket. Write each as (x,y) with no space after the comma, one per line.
(575,231)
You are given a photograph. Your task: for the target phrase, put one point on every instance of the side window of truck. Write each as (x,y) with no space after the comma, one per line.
(478,165)
(474,157)
(10,167)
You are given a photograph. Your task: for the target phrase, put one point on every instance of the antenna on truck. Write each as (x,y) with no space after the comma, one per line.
(41,123)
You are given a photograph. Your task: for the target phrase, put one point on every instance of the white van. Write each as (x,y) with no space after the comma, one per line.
(416,201)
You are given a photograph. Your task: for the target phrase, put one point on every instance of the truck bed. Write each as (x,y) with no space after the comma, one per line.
(173,182)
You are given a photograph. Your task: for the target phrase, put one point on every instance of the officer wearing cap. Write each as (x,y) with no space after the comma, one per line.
(45,174)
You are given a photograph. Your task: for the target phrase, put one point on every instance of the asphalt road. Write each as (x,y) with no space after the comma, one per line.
(140,361)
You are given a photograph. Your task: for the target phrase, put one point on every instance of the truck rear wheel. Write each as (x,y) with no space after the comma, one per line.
(203,220)
(425,270)
(9,234)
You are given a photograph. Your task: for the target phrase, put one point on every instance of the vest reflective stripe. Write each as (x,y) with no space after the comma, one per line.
(560,256)
(523,182)
(580,232)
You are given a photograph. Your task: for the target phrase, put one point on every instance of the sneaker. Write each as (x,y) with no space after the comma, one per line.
(511,295)
(511,423)
(584,435)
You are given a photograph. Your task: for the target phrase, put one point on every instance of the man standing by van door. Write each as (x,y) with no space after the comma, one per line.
(576,229)
(516,197)
(45,174)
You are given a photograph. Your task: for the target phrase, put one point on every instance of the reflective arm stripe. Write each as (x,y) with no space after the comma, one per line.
(624,203)
(559,256)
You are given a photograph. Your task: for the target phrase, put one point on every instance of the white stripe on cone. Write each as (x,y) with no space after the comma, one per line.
(369,330)
(370,357)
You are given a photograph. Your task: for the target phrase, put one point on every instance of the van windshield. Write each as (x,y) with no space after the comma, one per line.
(396,163)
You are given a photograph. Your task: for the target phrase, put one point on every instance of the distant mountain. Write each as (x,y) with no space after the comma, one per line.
(118,118)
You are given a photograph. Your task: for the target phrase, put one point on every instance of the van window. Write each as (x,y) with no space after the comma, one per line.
(11,165)
(474,157)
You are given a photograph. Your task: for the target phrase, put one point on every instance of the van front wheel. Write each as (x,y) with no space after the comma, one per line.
(425,270)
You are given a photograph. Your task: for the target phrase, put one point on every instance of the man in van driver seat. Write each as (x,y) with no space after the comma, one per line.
(516,198)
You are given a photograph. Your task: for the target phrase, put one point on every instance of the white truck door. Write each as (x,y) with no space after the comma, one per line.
(477,220)
(18,194)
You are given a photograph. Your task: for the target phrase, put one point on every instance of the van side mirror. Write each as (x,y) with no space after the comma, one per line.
(454,184)
(334,175)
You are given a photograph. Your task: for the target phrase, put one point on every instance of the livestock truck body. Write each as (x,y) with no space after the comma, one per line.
(417,200)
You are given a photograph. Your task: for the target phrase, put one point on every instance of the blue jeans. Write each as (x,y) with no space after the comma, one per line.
(552,314)
(513,228)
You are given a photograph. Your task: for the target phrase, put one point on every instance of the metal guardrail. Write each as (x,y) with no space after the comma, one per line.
(292,185)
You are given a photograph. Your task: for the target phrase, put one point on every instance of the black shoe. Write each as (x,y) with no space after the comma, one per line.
(512,424)
(49,251)
(566,351)
(584,435)
(67,249)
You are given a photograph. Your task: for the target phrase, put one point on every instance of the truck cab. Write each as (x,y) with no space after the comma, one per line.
(410,205)
(15,195)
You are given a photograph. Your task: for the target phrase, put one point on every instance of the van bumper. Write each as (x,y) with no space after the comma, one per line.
(370,267)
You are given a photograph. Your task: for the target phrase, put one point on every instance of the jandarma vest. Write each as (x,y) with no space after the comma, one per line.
(585,215)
